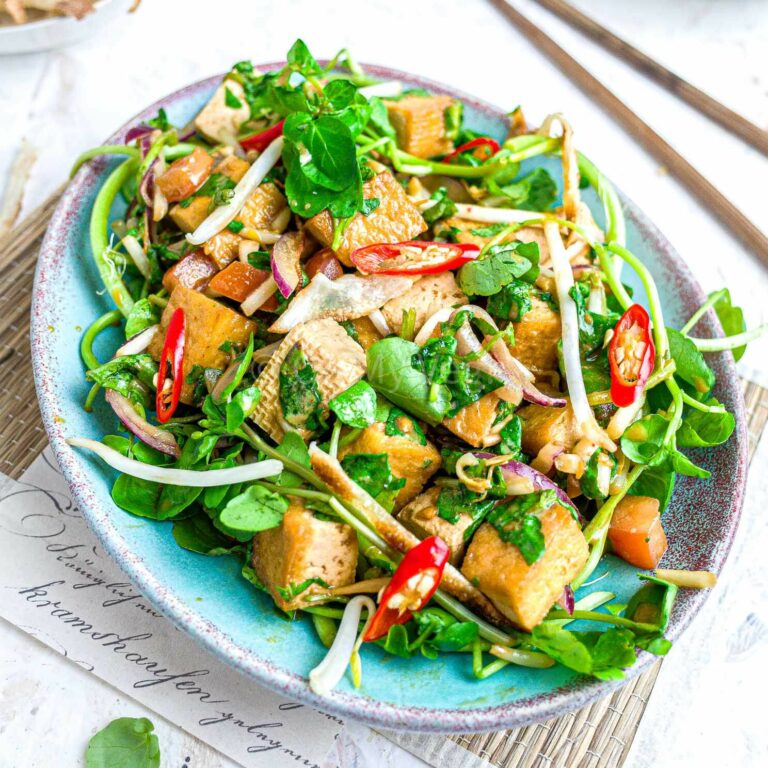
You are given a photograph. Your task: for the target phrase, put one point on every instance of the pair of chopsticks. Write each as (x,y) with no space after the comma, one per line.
(699,186)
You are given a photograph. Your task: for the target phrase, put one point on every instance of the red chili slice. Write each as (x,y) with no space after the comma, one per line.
(631,354)
(173,353)
(484,141)
(260,141)
(411,587)
(413,257)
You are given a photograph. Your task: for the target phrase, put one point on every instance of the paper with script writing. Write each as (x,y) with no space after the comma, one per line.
(57,584)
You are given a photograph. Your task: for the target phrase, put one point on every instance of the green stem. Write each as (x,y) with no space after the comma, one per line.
(614,215)
(350,437)
(104,149)
(333,448)
(91,332)
(363,149)
(605,618)
(729,342)
(677,410)
(154,150)
(88,404)
(700,312)
(99,226)
(688,400)
(179,150)
(157,301)
(302,493)
(319,610)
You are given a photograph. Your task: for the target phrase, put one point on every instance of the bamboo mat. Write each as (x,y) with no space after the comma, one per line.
(598,736)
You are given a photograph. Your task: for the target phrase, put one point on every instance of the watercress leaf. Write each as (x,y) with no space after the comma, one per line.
(356,406)
(458,635)
(198,534)
(517,522)
(137,496)
(391,373)
(142,315)
(334,159)
(371,471)
(731,318)
(379,119)
(563,646)
(254,510)
(658,482)
(137,450)
(536,191)
(293,447)
(398,423)
(128,742)
(690,364)
(642,440)
(241,407)
(682,464)
(396,642)
(301,60)
(652,603)
(511,302)
(250,575)
(442,209)
(589,480)
(245,362)
(703,430)
(501,265)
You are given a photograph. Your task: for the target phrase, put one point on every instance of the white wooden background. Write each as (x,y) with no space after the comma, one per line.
(707,709)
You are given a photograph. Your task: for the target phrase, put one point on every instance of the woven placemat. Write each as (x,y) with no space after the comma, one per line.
(598,736)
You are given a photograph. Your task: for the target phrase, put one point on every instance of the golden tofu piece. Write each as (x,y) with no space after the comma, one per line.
(473,423)
(223,248)
(421,517)
(408,459)
(218,122)
(337,360)
(524,235)
(543,425)
(262,207)
(419,122)
(536,337)
(302,548)
(208,324)
(189,218)
(427,295)
(232,166)
(525,593)
(367,334)
(395,220)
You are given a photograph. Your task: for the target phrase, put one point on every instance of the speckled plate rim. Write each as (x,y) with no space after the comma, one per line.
(514,714)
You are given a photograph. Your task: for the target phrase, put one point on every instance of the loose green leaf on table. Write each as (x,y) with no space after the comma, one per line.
(128,742)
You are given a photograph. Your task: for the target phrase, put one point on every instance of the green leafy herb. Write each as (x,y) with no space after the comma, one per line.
(398,423)
(502,264)
(142,315)
(703,430)
(231,100)
(592,325)
(589,480)
(198,534)
(356,406)
(294,448)
(658,482)
(160,121)
(731,318)
(235,226)
(299,395)
(453,502)
(128,742)
(642,441)
(241,406)
(511,302)
(442,209)
(372,473)
(254,510)
(690,364)
(491,230)
(517,522)
(536,191)
(292,591)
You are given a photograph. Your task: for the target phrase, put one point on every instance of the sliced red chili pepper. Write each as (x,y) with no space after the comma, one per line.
(173,353)
(631,354)
(412,585)
(260,141)
(413,257)
(484,141)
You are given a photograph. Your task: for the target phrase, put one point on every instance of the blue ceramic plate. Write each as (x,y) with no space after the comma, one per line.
(206,596)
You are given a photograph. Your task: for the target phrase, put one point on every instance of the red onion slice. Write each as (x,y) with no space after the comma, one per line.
(153,436)
(567,600)
(285,262)
(137,132)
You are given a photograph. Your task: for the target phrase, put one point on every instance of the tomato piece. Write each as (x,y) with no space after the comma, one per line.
(631,355)
(185,175)
(413,257)
(412,585)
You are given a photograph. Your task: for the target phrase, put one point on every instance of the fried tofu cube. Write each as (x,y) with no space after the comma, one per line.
(208,324)
(411,457)
(185,175)
(218,122)
(233,167)
(426,296)
(367,334)
(395,220)
(419,122)
(536,336)
(223,248)
(262,207)
(237,281)
(474,422)
(189,218)
(525,593)
(302,548)
(420,517)
(194,271)
(543,425)
(337,360)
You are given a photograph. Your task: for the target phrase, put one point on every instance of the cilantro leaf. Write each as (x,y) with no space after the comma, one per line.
(371,471)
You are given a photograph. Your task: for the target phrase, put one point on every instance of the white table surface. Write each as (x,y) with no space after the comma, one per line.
(707,707)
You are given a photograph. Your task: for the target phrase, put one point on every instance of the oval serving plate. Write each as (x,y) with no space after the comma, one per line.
(206,596)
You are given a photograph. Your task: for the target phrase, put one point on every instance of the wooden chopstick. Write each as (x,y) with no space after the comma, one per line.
(700,187)
(690,94)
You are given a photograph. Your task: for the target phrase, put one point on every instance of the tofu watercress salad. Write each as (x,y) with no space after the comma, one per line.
(395,371)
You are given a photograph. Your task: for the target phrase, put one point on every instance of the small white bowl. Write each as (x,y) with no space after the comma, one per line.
(57,31)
